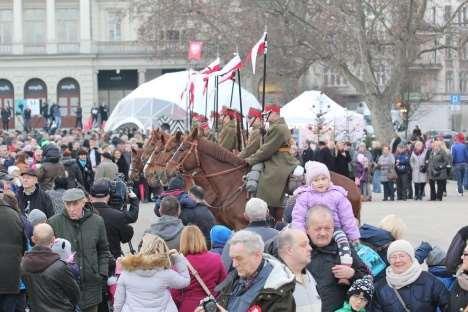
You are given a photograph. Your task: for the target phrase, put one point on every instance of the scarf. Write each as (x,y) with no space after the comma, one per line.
(462,277)
(401,280)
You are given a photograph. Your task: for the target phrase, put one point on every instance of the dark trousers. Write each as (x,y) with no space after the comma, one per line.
(402,186)
(389,191)
(79,122)
(459,170)
(439,192)
(419,190)
(5,124)
(8,302)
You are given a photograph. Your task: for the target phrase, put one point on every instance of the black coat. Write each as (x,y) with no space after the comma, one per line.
(308,155)
(425,294)
(458,298)
(454,252)
(325,156)
(73,171)
(37,200)
(123,166)
(323,259)
(201,216)
(88,174)
(12,245)
(342,162)
(117,225)
(50,283)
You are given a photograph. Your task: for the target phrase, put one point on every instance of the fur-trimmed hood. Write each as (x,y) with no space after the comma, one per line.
(145,263)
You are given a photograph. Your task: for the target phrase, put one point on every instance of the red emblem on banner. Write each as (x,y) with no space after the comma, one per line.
(195,50)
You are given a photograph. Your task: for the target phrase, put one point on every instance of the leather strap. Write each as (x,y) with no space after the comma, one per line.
(401,300)
(198,278)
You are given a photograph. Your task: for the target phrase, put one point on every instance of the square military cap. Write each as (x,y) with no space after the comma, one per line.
(73,195)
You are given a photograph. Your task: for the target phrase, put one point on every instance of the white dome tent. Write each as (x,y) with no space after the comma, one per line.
(337,122)
(162,100)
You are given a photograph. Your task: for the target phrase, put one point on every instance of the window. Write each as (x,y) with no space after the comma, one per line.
(381,75)
(465,15)
(333,79)
(68,25)
(447,12)
(449,83)
(35,26)
(114,25)
(434,15)
(6,26)
(449,43)
(463,82)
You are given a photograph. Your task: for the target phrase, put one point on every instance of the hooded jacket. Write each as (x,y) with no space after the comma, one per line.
(50,284)
(334,198)
(144,288)
(88,239)
(271,290)
(169,229)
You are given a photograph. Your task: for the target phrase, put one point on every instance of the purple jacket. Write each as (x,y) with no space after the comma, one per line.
(335,198)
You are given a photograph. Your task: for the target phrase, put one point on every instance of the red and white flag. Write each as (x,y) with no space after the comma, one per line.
(259,48)
(195,50)
(212,67)
(229,70)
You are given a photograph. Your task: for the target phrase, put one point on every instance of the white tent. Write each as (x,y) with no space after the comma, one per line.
(163,100)
(337,123)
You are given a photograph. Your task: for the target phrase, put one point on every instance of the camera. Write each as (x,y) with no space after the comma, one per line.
(209,304)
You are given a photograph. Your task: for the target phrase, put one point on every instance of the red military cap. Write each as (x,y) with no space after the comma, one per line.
(254,113)
(214,114)
(229,112)
(272,108)
(224,110)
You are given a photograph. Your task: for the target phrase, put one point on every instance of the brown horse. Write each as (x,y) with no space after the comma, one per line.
(219,171)
(141,155)
(149,170)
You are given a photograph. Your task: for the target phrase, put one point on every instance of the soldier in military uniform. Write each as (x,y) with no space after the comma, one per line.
(204,131)
(255,136)
(277,160)
(228,135)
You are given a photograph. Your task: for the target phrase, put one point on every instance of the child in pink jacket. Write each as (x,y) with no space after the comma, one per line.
(320,191)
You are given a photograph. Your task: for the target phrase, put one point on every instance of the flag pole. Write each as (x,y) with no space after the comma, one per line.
(264,70)
(240,104)
(232,92)
(216,105)
(206,97)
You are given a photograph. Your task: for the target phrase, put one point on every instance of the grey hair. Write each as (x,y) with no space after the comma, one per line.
(318,209)
(252,241)
(285,239)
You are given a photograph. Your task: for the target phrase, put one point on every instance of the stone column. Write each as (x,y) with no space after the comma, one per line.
(95,86)
(51,33)
(141,76)
(85,26)
(18,26)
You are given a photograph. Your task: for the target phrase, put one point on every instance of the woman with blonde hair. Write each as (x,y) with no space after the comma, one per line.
(208,264)
(147,278)
(437,170)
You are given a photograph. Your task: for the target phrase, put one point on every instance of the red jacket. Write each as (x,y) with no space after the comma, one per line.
(211,269)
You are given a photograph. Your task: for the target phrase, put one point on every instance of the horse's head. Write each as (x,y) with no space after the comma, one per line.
(159,140)
(170,147)
(137,164)
(185,158)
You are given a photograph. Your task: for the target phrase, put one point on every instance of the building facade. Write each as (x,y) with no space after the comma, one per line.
(76,52)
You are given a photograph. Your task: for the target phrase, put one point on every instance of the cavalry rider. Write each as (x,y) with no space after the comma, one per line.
(228,135)
(255,136)
(204,131)
(277,160)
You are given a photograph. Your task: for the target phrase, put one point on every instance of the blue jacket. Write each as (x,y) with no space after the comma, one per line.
(376,238)
(459,153)
(425,294)
(402,163)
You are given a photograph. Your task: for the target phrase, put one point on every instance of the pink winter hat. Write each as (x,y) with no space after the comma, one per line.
(315,169)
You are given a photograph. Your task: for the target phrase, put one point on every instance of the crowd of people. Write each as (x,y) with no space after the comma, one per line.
(67,205)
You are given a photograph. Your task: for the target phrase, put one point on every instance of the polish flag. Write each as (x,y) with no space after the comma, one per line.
(212,67)
(229,70)
(259,48)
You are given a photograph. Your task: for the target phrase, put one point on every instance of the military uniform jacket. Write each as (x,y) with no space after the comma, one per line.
(228,136)
(253,144)
(278,164)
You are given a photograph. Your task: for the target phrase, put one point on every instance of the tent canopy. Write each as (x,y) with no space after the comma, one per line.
(337,122)
(163,100)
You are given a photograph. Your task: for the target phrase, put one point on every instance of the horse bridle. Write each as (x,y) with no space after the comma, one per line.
(180,165)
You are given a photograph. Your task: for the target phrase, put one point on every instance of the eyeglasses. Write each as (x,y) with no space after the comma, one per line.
(465,255)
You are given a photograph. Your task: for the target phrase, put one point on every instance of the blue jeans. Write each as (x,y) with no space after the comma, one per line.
(460,173)
(465,180)
(376,187)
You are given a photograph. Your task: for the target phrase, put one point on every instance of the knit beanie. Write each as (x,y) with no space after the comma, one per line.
(436,256)
(219,235)
(400,245)
(315,169)
(363,285)
(176,183)
(62,247)
(36,217)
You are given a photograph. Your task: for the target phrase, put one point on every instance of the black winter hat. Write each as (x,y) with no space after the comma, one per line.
(364,285)
(176,183)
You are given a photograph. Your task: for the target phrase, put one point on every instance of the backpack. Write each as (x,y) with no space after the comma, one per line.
(118,193)
(371,259)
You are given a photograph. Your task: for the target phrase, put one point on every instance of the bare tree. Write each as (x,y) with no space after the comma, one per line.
(373,44)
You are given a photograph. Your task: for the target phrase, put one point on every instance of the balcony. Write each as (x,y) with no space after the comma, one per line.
(34,48)
(68,48)
(120,47)
(6,49)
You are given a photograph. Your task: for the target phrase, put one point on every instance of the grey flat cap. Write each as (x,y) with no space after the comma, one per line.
(73,194)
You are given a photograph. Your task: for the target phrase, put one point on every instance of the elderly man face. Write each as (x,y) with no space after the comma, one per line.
(75,209)
(320,228)
(28,180)
(244,261)
(294,248)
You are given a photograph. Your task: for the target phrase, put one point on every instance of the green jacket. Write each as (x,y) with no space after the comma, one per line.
(278,165)
(253,144)
(228,136)
(88,239)
(347,308)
